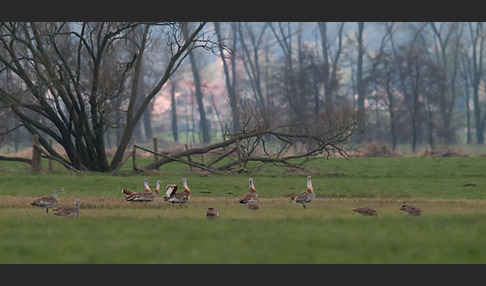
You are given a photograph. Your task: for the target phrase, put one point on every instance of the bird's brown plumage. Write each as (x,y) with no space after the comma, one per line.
(212,213)
(366,211)
(253,204)
(46,202)
(68,211)
(411,210)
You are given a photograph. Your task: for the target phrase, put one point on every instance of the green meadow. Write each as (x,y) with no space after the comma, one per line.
(450,191)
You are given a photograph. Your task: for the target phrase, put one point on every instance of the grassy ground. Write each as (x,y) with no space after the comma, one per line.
(110,230)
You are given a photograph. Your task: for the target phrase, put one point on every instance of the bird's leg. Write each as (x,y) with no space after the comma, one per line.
(47,210)
(304,206)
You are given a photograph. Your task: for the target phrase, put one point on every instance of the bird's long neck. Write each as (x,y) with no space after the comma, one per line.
(310,189)
(252,186)
(186,187)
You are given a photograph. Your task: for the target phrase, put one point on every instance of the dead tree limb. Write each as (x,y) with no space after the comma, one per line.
(192,163)
(226,154)
(248,146)
(16,159)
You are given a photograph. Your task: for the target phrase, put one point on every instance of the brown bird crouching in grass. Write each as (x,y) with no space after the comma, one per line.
(68,211)
(212,213)
(411,210)
(365,211)
(47,201)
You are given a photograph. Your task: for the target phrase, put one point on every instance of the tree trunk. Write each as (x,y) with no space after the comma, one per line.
(230,81)
(203,122)
(173,110)
(147,121)
(468,119)
(477,116)
(359,84)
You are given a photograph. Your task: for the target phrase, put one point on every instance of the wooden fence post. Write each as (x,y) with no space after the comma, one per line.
(36,155)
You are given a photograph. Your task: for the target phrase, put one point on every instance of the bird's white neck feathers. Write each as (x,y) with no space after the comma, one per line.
(184,183)
(146,185)
(252,186)
(310,189)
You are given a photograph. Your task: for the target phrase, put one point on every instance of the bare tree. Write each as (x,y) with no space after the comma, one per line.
(67,90)
(448,38)
(476,72)
(230,76)
(359,79)
(251,38)
(330,63)
(203,121)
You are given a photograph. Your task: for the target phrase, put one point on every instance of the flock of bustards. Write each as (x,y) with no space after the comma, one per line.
(250,200)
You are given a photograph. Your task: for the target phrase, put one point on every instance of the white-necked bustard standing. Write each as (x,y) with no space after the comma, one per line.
(47,201)
(68,211)
(251,195)
(305,197)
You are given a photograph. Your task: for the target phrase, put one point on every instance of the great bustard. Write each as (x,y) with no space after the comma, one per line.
(47,201)
(411,210)
(251,195)
(365,211)
(305,197)
(68,211)
(181,198)
(212,213)
(142,196)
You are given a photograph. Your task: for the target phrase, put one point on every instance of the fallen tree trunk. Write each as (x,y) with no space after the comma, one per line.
(16,159)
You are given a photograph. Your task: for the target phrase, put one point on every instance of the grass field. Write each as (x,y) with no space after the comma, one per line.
(110,230)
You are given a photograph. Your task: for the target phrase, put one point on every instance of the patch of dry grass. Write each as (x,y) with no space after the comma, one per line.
(271,208)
